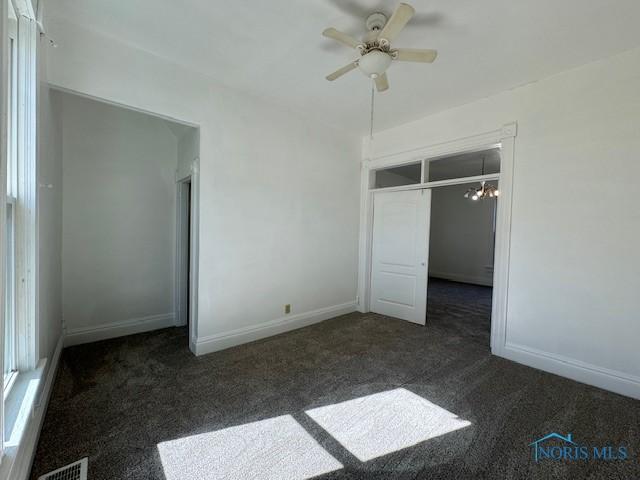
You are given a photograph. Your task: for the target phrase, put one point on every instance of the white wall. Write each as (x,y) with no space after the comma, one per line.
(278,192)
(573,282)
(118,215)
(49,220)
(49,224)
(461,236)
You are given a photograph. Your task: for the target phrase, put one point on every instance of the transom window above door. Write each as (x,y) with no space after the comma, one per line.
(429,172)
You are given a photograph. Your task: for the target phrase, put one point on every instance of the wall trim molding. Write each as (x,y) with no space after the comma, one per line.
(126,106)
(471,143)
(77,336)
(17,461)
(607,379)
(221,341)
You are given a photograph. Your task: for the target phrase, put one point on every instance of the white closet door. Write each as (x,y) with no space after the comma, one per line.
(400,254)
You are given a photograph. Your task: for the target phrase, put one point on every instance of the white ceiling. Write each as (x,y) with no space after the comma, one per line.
(274,48)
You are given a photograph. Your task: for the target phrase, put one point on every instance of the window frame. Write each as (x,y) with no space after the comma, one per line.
(23,199)
(10,371)
(25,194)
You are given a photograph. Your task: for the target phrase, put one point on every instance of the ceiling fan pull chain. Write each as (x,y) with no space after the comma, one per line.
(373,91)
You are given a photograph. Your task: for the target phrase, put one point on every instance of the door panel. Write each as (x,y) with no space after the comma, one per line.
(400,254)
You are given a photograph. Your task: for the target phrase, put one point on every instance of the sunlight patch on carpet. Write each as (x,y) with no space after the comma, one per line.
(274,448)
(385,422)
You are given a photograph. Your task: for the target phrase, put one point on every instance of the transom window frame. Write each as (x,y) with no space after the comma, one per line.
(424,182)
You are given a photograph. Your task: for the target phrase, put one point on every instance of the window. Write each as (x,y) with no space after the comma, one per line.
(10,330)
(19,343)
(398,176)
(464,165)
(10,363)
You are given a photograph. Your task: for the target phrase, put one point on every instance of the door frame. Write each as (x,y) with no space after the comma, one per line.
(503,138)
(193,178)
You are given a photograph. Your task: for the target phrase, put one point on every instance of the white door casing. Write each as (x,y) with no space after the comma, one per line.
(400,252)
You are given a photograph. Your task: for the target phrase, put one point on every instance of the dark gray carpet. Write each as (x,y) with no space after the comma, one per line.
(115,401)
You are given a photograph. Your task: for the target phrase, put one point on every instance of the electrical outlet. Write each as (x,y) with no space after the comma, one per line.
(287,308)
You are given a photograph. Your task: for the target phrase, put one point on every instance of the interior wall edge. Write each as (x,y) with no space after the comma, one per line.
(607,379)
(232,338)
(59,88)
(78,336)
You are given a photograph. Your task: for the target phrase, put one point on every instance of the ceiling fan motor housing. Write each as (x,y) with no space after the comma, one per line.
(376,21)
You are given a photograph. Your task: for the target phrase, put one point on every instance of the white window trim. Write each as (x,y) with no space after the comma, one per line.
(26,240)
(9,302)
(27,196)
(11,149)
(4,13)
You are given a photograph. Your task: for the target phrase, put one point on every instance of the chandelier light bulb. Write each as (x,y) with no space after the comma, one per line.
(485,190)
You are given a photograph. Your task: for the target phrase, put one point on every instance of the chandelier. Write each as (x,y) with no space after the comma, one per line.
(486,190)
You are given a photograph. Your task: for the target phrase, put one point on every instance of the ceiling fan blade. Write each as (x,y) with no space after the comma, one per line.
(347,40)
(416,55)
(382,82)
(338,73)
(397,22)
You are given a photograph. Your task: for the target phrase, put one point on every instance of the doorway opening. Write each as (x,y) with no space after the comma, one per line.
(461,256)
(119,248)
(462,247)
(186,257)
(187,253)
(186,243)
(184,251)
(433,244)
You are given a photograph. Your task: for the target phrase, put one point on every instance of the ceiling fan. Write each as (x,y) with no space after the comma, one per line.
(375,49)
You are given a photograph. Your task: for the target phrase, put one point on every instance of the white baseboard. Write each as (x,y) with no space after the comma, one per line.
(612,380)
(214,343)
(17,461)
(486,281)
(78,336)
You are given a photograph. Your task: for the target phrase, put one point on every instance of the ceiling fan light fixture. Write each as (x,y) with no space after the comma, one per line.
(374,63)
(375,49)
